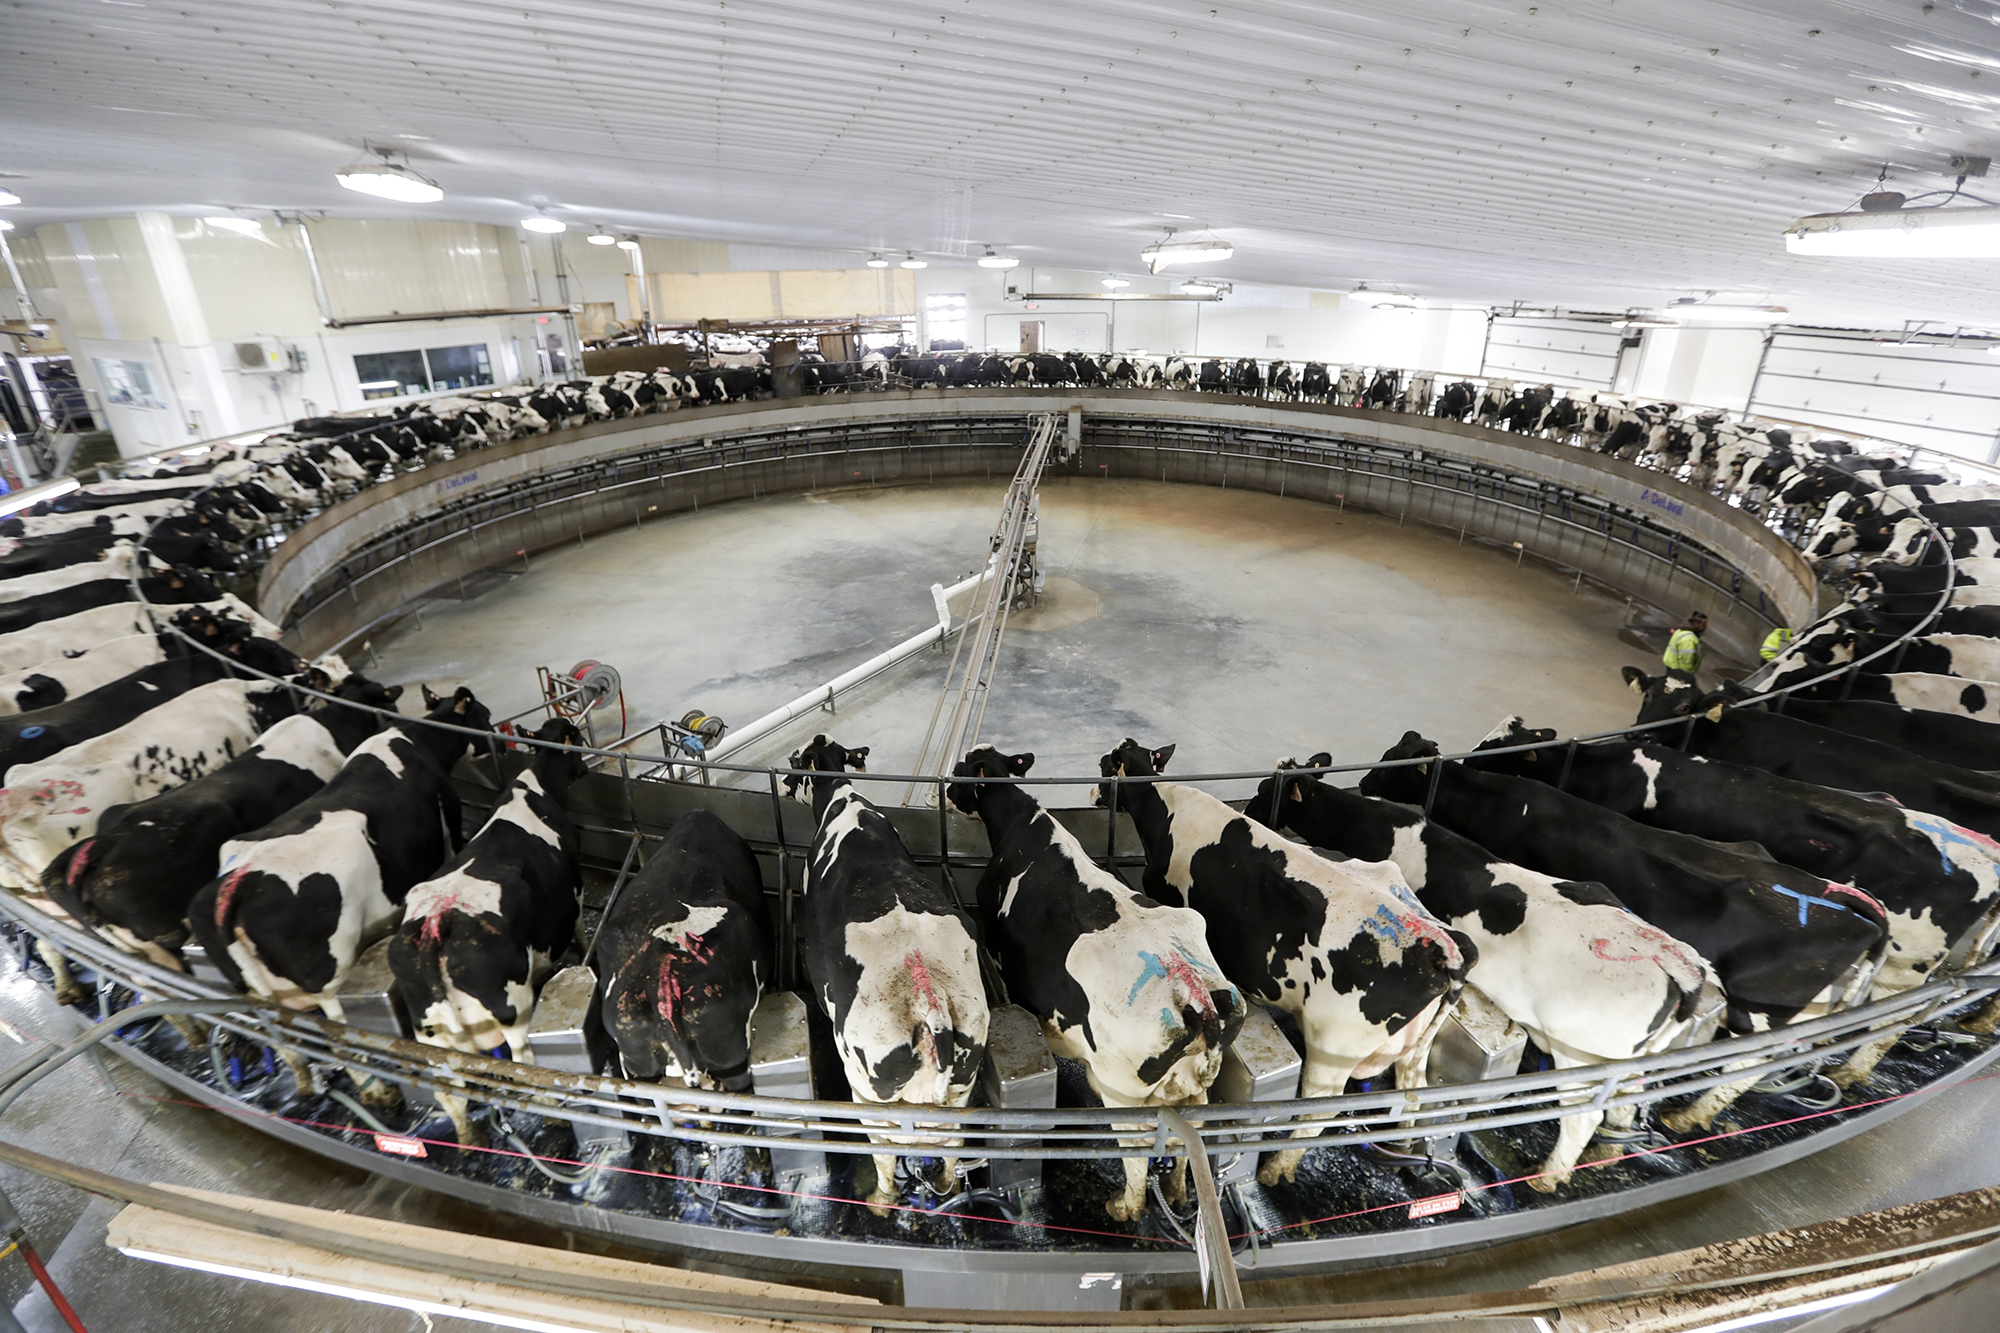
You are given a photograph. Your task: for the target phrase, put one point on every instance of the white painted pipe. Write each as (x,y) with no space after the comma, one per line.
(821,695)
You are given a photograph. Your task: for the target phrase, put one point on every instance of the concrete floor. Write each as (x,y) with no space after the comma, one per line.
(1239,625)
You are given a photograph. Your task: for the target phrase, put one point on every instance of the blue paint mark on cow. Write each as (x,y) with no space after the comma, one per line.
(1153,968)
(1384,924)
(1806,901)
(1950,835)
(29,733)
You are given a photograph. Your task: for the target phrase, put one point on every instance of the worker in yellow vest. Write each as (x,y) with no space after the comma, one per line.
(1775,642)
(1684,649)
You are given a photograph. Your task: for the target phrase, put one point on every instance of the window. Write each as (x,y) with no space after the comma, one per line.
(129,384)
(398,374)
(944,321)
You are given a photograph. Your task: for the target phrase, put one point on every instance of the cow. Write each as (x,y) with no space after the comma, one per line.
(1911,540)
(1493,400)
(1344,947)
(1587,979)
(296,901)
(175,586)
(1785,943)
(1350,386)
(133,878)
(36,555)
(1938,882)
(1284,382)
(477,938)
(684,956)
(129,521)
(1214,376)
(1456,402)
(52,803)
(1314,383)
(1957,741)
(48,683)
(87,629)
(122,561)
(1122,983)
(1246,377)
(1384,387)
(892,960)
(28,737)
(1793,748)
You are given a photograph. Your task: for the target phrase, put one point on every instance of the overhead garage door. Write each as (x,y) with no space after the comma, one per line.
(1554,351)
(1941,397)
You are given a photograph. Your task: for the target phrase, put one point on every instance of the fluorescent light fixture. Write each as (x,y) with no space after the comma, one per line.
(601,237)
(628,243)
(991,260)
(876,261)
(910,260)
(1910,233)
(1165,253)
(1365,295)
(1196,287)
(545,224)
(5,225)
(241,226)
(19,500)
(1115,284)
(8,198)
(1687,310)
(389,180)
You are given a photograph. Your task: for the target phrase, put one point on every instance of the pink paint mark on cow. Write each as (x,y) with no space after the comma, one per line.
(80,861)
(1850,891)
(926,991)
(667,995)
(225,897)
(1426,929)
(432,930)
(1182,972)
(1602,949)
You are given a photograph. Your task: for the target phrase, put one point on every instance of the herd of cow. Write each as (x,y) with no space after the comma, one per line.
(1615,900)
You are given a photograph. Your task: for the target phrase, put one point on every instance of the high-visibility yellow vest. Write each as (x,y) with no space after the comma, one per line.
(1683,651)
(1775,642)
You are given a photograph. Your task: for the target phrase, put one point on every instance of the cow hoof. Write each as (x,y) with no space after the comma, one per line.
(1844,1078)
(1547,1184)
(1125,1210)
(879,1204)
(1681,1122)
(1271,1174)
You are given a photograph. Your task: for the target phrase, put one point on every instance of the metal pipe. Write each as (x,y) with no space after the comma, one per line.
(29,314)
(1211,1233)
(312,267)
(490,313)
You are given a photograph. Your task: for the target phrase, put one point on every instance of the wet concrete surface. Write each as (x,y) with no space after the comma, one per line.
(1239,625)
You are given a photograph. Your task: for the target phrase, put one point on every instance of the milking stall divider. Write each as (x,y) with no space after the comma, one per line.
(351,567)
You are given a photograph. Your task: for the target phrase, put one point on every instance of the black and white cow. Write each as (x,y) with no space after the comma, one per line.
(129,521)
(1122,983)
(893,962)
(121,561)
(1344,947)
(1785,942)
(1457,400)
(135,876)
(87,629)
(1284,381)
(1938,882)
(1314,382)
(296,901)
(1911,540)
(478,938)
(685,955)
(71,674)
(50,804)
(1587,979)
(28,737)
(1961,742)
(1798,749)
(173,587)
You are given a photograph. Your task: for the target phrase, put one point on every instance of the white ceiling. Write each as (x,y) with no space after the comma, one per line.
(1594,153)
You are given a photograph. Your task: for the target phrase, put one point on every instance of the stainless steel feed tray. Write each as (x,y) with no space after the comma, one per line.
(1261,1065)
(781,1066)
(566,1033)
(1019,1075)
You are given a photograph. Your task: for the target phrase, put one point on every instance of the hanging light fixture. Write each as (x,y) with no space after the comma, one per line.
(601,237)
(1697,310)
(910,260)
(1899,233)
(628,243)
(1364,295)
(991,260)
(876,261)
(1115,284)
(240,225)
(389,180)
(1201,287)
(8,198)
(1167,252)
(543,223)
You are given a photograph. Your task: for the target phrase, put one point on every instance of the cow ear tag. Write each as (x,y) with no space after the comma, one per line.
(1715,713)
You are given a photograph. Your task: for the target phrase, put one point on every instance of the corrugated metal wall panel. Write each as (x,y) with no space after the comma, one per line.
(1945,398)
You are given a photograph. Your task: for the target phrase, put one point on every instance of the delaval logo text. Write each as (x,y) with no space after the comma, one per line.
(1646,496)
(457,483)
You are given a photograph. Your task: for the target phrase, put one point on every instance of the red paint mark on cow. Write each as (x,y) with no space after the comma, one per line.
(1182,971)
(926,990)
(1663,943)
(78,862)
(225,897)
(667,995)
(1601,947)
(432,930)
(1426,929)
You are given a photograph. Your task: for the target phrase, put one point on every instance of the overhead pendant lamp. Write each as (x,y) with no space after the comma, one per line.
(1197,287)
(601,237)
(8,198)
(1115,284)
(389,180)
(628,243)
(545,224)
(1695,310)
(910,260)
(1168,252)
(1364,295)
(992,260)
(876,261)
(240,225)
